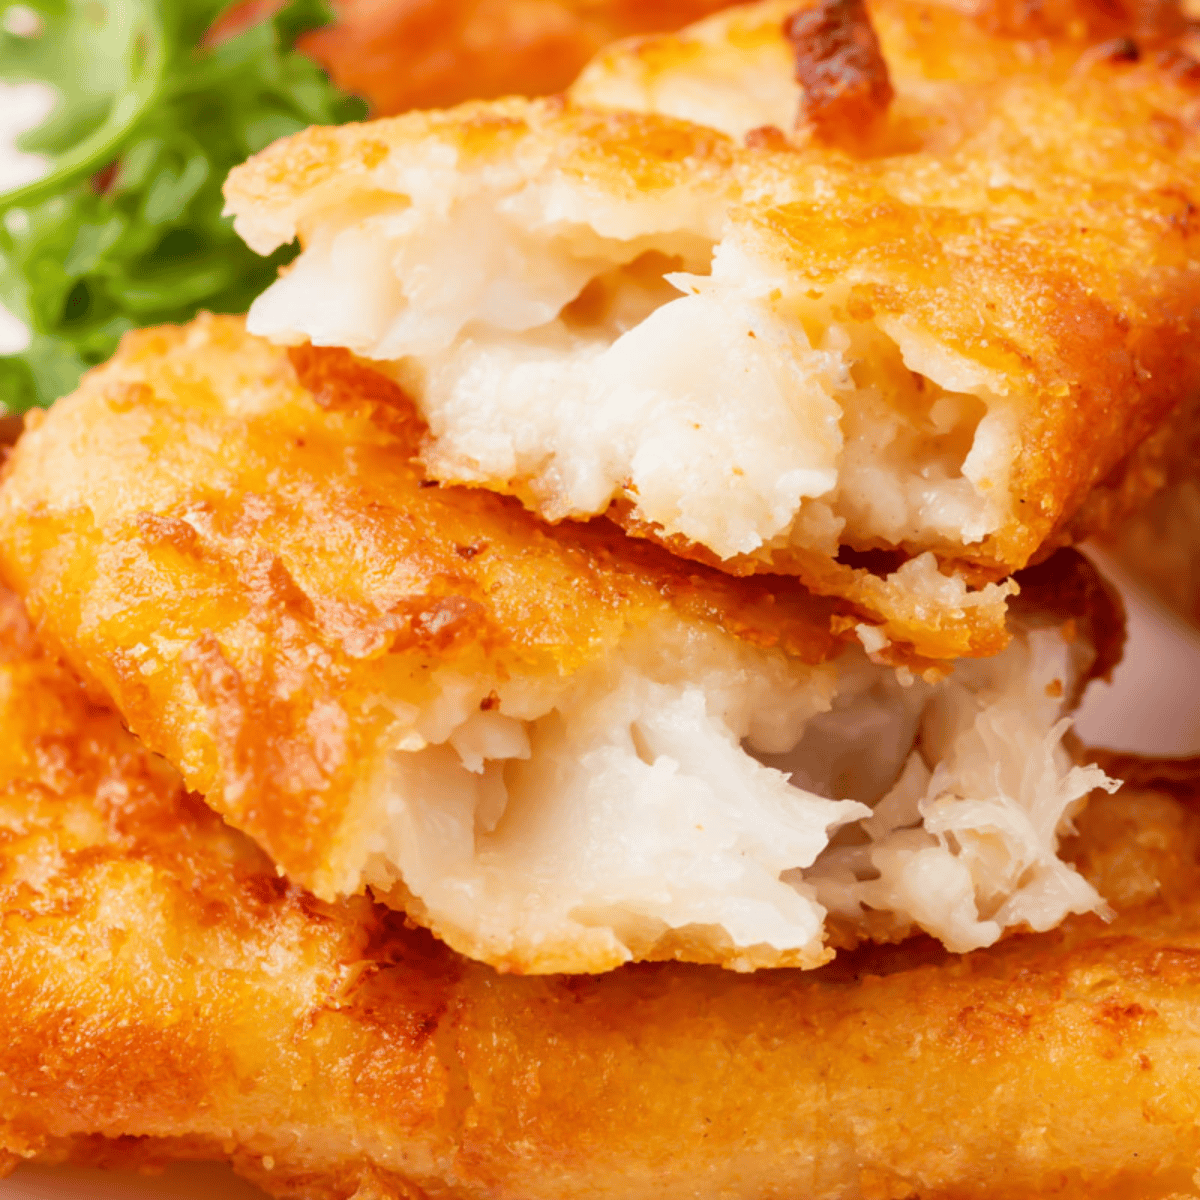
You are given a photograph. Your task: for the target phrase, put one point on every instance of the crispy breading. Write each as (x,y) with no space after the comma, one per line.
(772,354)
(844,84)
(164,994)
(560,748)
(1125,25)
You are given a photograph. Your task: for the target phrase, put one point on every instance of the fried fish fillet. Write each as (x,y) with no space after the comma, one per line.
(164,994)
(559,748)
(402,54)
(897,369)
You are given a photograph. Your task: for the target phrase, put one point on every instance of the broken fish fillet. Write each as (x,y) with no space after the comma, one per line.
(165,995)
(897,371)
(559,748)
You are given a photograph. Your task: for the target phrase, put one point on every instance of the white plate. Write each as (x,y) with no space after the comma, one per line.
(1151,705)
(22,106)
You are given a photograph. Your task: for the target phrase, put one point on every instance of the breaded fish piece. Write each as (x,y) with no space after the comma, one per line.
(896,367)
(403,54)
(164,994)
(558,748)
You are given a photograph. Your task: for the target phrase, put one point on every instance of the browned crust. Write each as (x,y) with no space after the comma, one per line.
(10,429)
(1124,23)
(767,611)
(631,153)
(841,69)
(949,270)
(921,633)
(1132,486)
(1105,348)
(406,54)
(165,995)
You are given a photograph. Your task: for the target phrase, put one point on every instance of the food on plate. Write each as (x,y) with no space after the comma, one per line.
(560,748)
(898,365)
(125,228)
(598,550)
(164,994)
(403,54)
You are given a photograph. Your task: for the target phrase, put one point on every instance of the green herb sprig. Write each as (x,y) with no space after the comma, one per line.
(126,229)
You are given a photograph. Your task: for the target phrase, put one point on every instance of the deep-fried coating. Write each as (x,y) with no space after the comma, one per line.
(844,84)
(559,748)
(774,354)
(164,994)
(402,54)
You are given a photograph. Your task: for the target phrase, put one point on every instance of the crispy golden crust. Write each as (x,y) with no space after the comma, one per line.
(1029,206)
(256,575)
(164,994)
(629,154)
(842,75)
(1143,21)
(871,589)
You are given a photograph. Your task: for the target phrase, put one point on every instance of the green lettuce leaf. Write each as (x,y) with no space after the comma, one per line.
(126,229)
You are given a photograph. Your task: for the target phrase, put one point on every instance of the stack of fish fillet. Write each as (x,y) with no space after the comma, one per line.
(571,695)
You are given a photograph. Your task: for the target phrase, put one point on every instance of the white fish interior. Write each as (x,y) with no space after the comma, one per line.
(577,348)
(666,367)
(698,796)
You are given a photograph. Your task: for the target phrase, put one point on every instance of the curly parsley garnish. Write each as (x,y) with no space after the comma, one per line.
(126,229)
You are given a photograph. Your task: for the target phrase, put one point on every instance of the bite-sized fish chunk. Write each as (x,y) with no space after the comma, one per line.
(164,994)
(893,349)
(559,748)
